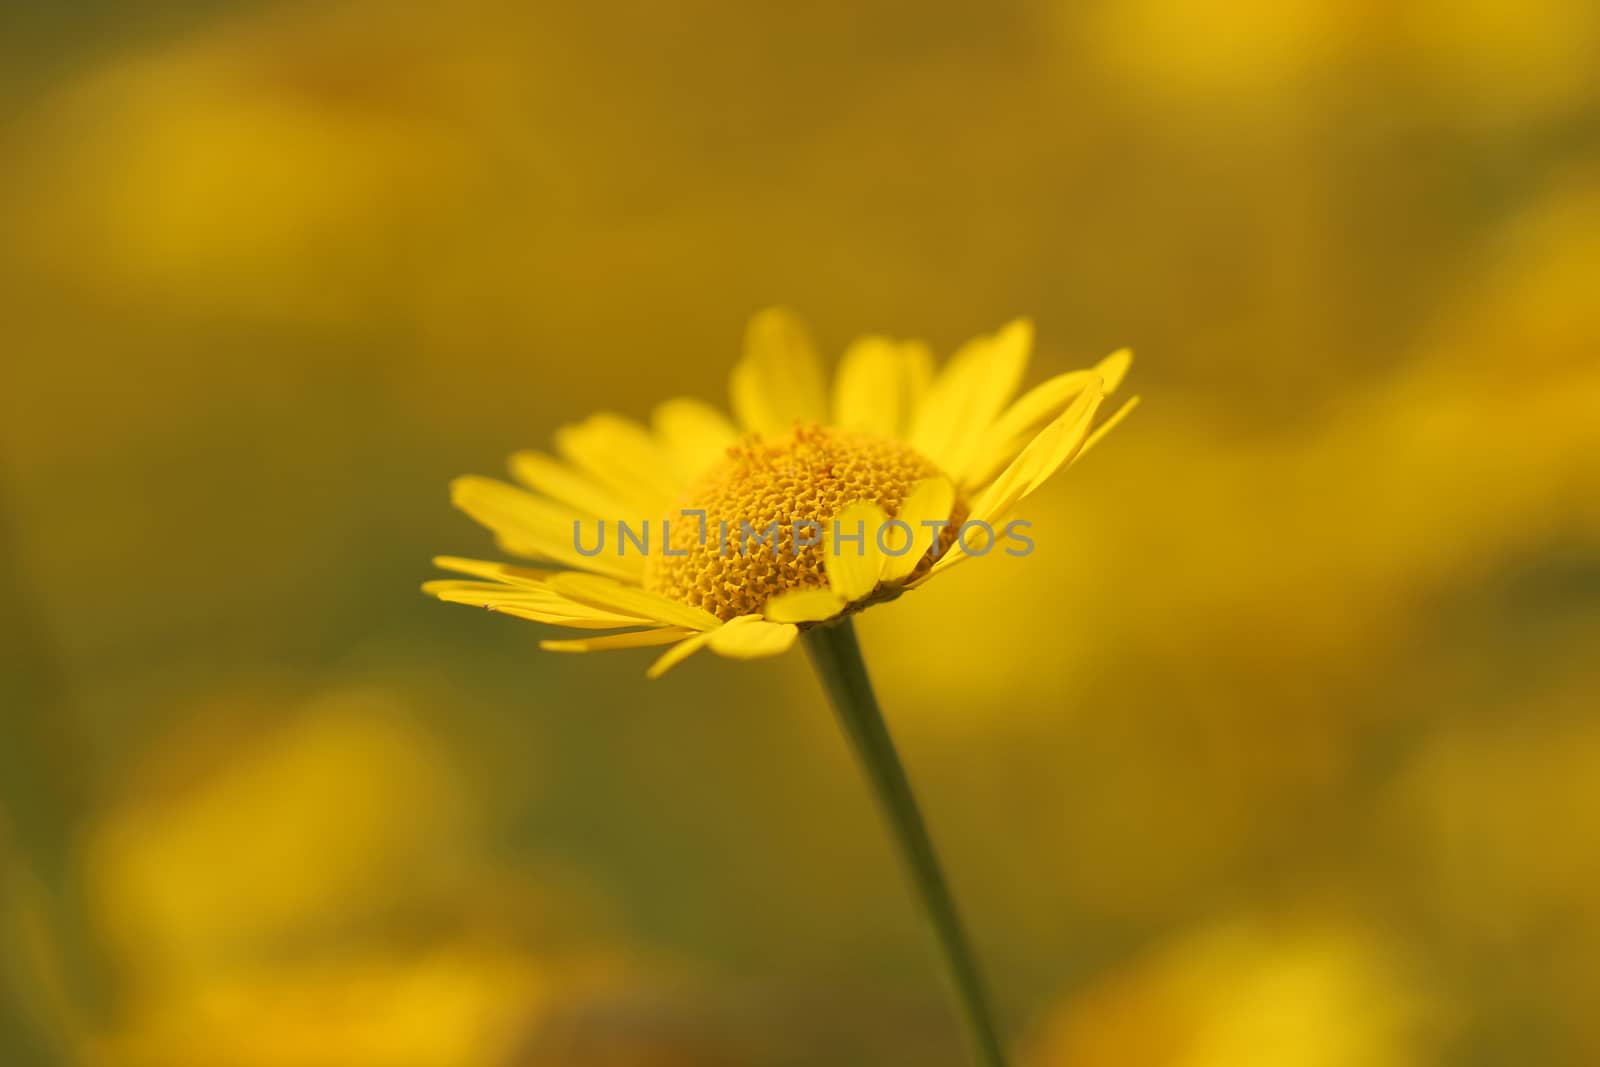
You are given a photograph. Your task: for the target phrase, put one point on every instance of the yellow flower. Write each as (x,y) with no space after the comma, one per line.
(1255,991)
(812,507)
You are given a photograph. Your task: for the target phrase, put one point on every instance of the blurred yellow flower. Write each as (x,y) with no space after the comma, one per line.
(245,825)
(1492,60)
(1501,821)
(385,1009)
(471,1003)
(309,886)
(265,167)
(851,500)
(1250,994)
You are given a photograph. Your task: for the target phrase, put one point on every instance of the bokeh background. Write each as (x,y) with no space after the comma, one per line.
(1281,750)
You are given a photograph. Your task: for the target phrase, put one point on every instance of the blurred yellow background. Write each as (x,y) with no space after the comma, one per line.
(1309,776)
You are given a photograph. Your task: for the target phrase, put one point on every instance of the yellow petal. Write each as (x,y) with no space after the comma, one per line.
(526,525)
(586,598)
(610,595)
(779,380)
(623,457)
(696,433)
(929,500)
(804,605)
(869,392)
(556,480)
(1057,444)
(1022,420)
(916,369)
(1113,369)
(553,617)
(497,594)
(752,637)
(1040,404)
(461,591)
(1075,424)
(853,564)
(666,635)
(968,395)
(539,604)
(494,571)
(1107,426)
(678,653)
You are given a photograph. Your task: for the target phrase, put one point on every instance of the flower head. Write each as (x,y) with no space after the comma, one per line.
(703,532)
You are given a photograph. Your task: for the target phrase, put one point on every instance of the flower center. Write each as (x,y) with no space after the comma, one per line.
(762,490)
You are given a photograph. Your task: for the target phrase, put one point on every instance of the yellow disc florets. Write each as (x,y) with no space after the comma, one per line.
(807,476)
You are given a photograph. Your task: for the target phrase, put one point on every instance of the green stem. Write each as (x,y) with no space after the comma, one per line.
(837,658)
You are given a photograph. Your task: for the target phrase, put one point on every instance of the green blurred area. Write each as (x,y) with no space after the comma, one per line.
(1281,749)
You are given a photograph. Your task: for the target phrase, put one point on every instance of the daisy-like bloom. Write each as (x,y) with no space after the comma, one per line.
(893,439)
(855,497)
